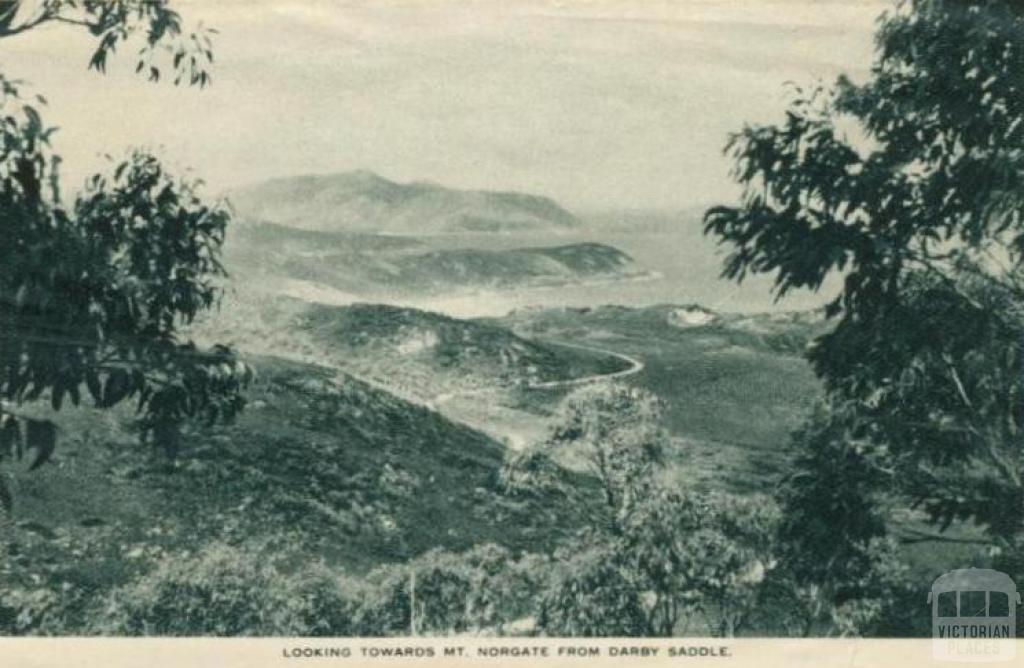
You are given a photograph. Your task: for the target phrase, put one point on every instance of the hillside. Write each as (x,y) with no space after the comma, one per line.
(339,471)
(418,354)
(782,333)
(377,265)
(362,201)
(734,385)
(429,353)
(517,266)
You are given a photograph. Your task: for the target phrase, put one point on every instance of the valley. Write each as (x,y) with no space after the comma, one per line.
(493,328)
(565,321)
(397,376)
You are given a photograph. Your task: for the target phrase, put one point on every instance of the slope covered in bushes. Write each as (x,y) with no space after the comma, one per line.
(338,472)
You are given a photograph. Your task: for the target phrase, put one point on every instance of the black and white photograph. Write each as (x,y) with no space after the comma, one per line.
(521,319)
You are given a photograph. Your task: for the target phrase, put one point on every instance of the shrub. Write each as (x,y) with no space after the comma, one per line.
(479,590)
(322,603)
(592,595)
(224,591)
(233,591)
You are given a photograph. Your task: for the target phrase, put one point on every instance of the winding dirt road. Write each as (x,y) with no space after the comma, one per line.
(635,366)
(517,428)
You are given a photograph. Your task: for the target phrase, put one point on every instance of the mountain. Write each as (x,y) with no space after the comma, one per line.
(362,201)
(374,266)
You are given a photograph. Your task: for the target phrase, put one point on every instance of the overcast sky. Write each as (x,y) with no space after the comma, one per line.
(598,104)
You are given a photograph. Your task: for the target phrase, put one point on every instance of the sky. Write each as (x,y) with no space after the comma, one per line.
(602,104)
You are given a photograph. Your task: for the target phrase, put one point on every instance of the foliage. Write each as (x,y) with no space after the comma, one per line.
(444,592)
(222,592)
(231,590)
(321,602)
(532,472)
(909,186)
(877,599)
(614,430)
(936,162)
(831,505)
(265,589)
(654,558)
(681,560)
(149,24)
(1009,558)
(53,578)
(701,555)
(592,595)
(93,292)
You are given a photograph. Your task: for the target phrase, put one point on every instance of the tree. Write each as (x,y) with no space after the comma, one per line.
(918,207)
(700,557)
(94,290)
(442,592)
(838,572)
(592,593)
(149,24)
(653,556)
(614,431)
(681,558)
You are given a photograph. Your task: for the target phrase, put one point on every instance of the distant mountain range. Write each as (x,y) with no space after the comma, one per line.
(361,201)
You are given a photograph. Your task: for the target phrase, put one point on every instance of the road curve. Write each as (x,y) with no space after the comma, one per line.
(635,366)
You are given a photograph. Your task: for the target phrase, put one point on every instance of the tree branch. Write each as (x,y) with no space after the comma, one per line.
(43,17)
(75,22)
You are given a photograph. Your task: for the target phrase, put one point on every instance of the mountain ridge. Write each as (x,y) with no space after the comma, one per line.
(363,201)
(371,265)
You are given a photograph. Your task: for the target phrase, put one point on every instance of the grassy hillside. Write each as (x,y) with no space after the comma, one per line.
(338,470)
(431,353)
(418,354)
(734,386)
(338,476)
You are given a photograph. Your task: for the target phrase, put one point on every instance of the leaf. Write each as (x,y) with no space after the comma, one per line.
(57,396)
(10,437)
(116,388)
(35,392)
(41,435)
(34,119)
(92,383)
(98,61)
